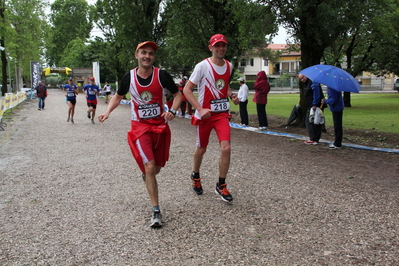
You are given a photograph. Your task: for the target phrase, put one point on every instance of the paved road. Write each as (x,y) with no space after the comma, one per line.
(71,194)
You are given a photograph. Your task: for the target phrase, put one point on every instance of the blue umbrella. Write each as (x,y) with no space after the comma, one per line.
(333,77)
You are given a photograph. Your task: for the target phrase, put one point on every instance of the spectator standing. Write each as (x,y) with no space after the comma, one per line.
(336,106)
(243,98)
(262,88)
(150,135)
(41,93)
(71,90)
(212,111)
(313,95)
(91,91)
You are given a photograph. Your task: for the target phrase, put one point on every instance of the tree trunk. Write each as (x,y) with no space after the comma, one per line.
(3,56)
(4,69)
(347,99)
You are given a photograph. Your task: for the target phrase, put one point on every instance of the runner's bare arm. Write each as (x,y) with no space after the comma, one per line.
(113,103)
(188,92)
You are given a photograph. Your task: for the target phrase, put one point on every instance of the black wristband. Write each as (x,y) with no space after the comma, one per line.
(173,112)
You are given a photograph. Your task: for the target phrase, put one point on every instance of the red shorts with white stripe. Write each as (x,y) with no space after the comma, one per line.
(149,143)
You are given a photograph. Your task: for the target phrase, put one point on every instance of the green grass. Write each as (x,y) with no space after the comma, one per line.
(378,112)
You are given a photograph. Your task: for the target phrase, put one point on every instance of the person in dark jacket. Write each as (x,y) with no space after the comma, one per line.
(262,88)
(41,93)
(313,95)
(336,106)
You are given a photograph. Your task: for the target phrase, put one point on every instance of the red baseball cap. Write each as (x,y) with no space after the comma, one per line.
(91,78)
(152,44)
(217,38)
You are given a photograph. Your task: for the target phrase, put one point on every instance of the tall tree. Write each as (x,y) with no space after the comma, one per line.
(74,55)
(386,40)
(368,36)
(28,19)
(191,23)
(315,25)
(23,31)
(4,26)
(125,23)
(70,19)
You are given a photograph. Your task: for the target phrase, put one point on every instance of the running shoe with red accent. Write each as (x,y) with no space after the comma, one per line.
(311,142)
(196,184)
(223,192)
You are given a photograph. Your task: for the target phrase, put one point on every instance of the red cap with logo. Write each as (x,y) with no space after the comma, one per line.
(217,38)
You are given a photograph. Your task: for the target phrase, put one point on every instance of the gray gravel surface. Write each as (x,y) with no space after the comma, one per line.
(71,194)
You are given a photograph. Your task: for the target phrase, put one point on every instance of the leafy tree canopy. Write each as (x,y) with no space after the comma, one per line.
(191,23)
(70,19)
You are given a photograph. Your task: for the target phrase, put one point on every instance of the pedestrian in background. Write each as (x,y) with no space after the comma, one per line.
(336,106)
(41,94)
(91,91)
(107,89)
(71,90)
(243,98)
(262,88)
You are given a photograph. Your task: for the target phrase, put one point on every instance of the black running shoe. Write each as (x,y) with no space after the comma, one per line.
(196,183)
(88,114)
(223,192)
(156,220)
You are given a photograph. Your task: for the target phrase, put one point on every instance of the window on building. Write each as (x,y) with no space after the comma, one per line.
(251,62)
(243,62)
(265,62)
(292,67)
(285,67)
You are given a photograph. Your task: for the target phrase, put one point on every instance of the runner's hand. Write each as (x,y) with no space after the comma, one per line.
(169,116)
(205,113)
(102,118)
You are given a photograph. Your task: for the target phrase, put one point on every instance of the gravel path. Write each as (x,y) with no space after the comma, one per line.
(71,194)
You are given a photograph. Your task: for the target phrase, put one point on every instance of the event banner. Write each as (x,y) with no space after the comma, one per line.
(35,70)
(96,73)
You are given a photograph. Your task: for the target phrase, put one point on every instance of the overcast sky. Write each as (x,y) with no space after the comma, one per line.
(281,36)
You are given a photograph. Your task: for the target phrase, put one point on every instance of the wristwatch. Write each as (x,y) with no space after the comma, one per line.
(173,111)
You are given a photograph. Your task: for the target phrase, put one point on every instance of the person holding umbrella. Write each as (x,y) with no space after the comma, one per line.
(337,80)
(336,106)
(313,95)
